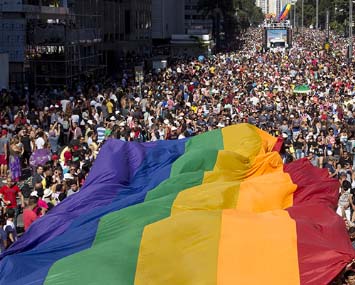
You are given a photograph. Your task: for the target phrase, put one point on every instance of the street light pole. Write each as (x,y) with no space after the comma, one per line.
(302,15)
(317,13)
(350,31)
(327,24)
(294,16)
(293,3)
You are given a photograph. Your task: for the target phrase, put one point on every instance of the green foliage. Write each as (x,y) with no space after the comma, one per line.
(247,10)
(208,6)
(338,13)
(336,26)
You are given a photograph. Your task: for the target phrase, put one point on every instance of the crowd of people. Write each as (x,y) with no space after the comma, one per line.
(51,138)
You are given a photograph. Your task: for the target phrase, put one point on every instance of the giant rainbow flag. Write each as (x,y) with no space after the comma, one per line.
(284,12)
(219,208)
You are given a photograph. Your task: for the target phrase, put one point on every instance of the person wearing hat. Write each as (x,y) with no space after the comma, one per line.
(47,195)
(4,146)
(174,135)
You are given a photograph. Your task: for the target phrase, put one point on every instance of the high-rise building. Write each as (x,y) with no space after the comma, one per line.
(179,17)
(263,4)
(195,20)
(50,43)
(55,43)
(127,30)
(167,18)
(278,7)
(180,28)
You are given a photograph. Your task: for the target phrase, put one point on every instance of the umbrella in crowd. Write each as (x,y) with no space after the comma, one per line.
(302,89)
(40,157)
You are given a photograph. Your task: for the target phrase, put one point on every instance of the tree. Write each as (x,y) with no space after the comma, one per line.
(237,15)
(338,13)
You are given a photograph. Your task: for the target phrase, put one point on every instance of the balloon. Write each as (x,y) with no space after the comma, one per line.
(201,58)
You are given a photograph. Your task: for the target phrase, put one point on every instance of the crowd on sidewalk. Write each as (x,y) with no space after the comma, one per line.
(50,139)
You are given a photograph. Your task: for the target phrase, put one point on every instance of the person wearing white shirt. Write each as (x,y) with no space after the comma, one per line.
(75,118)
(181,136)
(64,104)
(40,142)
(113,97)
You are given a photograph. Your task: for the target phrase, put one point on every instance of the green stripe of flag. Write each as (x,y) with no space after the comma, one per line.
(113,256)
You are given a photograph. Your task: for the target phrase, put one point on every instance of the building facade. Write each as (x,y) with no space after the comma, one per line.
(127,31)
(263,5)
(55,43)
(50,43)
(167,18)
(195,20)
(179,17)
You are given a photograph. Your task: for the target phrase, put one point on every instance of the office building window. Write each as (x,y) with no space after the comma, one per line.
(127,21)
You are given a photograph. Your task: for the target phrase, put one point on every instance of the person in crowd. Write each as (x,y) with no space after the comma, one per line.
(76,130)
(53,136)
(38,177)
(27,147)
(74,187)
(344,200)
(16,151)
(190,97)
(9,227)
(3,235)
(349,277)
(9,194)
(42,207)
(299,146)
(4,148)
(40,140)
(29,216)
(330,165)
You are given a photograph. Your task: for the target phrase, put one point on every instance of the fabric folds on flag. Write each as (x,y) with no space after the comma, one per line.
(219,208)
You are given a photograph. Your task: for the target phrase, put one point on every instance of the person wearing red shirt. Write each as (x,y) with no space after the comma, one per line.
(67,156)
(20,119)
(9,193)
(29,216)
